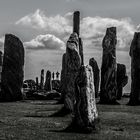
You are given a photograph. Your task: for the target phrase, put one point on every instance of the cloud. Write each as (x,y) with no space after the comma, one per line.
(92,29)
(47,41)
(55,24)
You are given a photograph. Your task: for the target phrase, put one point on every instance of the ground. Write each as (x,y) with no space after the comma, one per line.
(29,120)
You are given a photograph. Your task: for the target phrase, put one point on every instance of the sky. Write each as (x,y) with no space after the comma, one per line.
(44,27)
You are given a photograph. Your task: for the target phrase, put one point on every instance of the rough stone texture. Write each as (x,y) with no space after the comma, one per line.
(135,70)
(37,84)
(85,111)
(42,79)
(0,67)
(63,79)
(48,82)
(108,92)
(96,75)
(81,51)
(73,63)
(76,22)
(12,71)
(122,79)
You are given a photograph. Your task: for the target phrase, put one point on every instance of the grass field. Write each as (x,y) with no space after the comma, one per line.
(28,120)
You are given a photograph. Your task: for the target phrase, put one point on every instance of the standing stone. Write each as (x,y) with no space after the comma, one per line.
(96,75)
(108,92)
(0,68)
(48,82)
(85,111)
(53,76)
(135,70)
(73,63)
(42,79)
(81,51)
(63,79)
(72,66)
(37,85)
(122,79)
(76,22)
(12,71)
(57,75)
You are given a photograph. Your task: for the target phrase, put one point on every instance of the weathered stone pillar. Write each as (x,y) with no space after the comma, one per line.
(85,111)
(135,70)
(48,82)
(108,92)
(37,85)
(76,22)
(96,75)
(12,71)
(63,79)
(1,57)
(42,79)
(122,79)
(81,51)
(53,76)
(73,63)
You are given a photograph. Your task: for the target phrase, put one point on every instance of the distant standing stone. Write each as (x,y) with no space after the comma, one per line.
(96,75)
(108,92)
(37,85)
(53,76)
(57,75)
(135,70)
(85,111)
(12,71)
(48,82)
(0,67)
(42,79)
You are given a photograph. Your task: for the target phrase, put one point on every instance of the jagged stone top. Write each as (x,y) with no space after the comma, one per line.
(110,39)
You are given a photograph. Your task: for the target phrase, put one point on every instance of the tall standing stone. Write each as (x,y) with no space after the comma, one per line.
(76,22)
(122,79)
(81,51)
(0,67)
(76,29)
(73,63)
(48,82)
(42,79)
(63,79)
(135,70)
(12,71)
(108,92)
(85,111)
(37,84)
(96,75)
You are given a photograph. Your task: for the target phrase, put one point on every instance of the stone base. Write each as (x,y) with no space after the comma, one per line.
(75,127)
